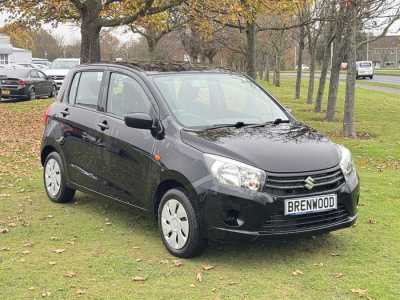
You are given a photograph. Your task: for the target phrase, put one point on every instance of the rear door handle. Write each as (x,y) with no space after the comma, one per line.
(65,112)
(103,125)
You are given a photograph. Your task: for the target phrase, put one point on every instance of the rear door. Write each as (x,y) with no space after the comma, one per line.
(82,140)
(36,82)
(128,151)
(45,84)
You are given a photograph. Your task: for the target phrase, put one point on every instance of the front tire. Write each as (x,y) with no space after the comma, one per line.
(179,225)
(55,181)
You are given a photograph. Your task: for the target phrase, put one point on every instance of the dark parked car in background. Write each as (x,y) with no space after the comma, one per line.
(209,153)
(25,83)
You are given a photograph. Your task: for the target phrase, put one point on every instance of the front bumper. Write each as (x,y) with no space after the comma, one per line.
(231,216)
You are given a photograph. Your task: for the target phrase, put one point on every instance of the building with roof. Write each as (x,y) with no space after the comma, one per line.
(12,55)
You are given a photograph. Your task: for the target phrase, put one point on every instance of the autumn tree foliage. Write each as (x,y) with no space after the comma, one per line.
(91,15)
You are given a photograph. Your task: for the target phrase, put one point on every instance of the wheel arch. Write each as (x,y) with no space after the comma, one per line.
(172,180)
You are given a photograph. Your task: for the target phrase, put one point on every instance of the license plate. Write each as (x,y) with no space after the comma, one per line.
(313,204)
(5,92)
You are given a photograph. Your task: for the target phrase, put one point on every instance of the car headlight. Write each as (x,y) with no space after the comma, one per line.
(236,174)
(346,161)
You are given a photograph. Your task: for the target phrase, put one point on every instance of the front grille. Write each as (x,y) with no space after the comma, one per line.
(279,223)
(57,77)
(286,184)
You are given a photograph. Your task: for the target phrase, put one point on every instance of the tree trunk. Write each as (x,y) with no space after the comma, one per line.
(338,56)
(251,49)
(302,36)
(90,33)
(349,104)
(322,79)
(151,45)
(277,72)
(266,69)
(310,94)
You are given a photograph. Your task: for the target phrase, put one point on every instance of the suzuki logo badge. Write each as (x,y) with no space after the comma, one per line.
(310,183)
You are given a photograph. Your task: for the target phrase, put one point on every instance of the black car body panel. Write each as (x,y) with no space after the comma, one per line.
(17,83)
(136,166)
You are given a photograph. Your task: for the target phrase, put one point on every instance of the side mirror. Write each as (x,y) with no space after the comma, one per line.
(139,120)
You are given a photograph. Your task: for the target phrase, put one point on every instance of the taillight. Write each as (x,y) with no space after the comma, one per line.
(21,84)
(46,115)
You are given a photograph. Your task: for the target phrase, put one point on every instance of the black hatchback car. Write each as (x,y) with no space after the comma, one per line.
(208,152)
(25,84)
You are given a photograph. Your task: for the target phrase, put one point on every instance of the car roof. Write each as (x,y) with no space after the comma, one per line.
(154,68)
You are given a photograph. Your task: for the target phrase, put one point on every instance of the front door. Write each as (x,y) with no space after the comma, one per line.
(128,151)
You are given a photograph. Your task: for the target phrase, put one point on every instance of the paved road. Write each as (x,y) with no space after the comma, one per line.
(377,78)
(362,82)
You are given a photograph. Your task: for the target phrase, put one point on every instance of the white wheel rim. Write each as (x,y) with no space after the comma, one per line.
(175,224)
(52,175)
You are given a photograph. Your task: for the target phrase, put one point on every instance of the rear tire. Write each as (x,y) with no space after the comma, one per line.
(32,94)
(55,180)
(53,92)
(179,225)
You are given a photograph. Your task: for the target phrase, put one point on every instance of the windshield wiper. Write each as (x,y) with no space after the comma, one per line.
(275,122)
(238,124)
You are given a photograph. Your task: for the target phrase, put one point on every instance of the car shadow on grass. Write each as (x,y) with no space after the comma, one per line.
(269,250)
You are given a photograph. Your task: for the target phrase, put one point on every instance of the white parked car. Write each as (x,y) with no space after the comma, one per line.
(365,69)
(60,68)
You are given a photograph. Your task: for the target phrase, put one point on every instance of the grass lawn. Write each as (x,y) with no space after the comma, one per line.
(94,248)
(380,84)
(392,72)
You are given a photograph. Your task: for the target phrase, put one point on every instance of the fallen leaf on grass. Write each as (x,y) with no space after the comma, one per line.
(22,260)
(58,251)
(199,277)
(12,224)
(339,275)
(25,252)
(46,294)
(108,223)
(360,292)
(178,263)
(192,285)
(138,259)
(207,267)
(164,261)
(4,249)
(139,278)
(4,230)
(371,221)
(28,244)
(335,254)
(31,288)
(297,272)
(70,274)
(135,247)
(319,264)
(80,292)
(52,263)
(54,238)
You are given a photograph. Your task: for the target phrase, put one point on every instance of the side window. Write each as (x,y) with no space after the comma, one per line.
(34,74)
(41,75)
(73,88)
(126,96)
(89,88)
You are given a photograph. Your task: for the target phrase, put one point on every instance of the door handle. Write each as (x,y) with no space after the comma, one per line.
(65,112)
(103,125)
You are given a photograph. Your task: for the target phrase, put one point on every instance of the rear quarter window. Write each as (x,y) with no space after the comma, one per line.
(73,88)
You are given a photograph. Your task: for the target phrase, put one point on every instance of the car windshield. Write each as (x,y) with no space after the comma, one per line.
(14,73)
(207,100)
(64,64)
